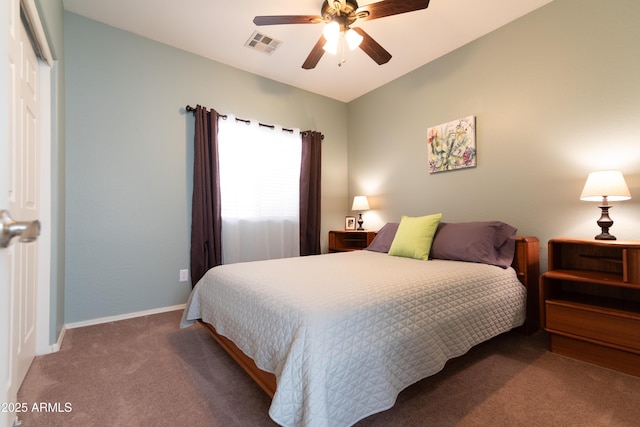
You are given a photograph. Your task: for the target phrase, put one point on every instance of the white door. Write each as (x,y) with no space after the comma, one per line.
(18,262)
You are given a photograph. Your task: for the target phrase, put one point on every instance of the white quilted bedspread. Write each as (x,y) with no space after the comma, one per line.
(344,333)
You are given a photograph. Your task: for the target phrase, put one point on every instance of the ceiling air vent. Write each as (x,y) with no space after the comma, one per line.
(262,43)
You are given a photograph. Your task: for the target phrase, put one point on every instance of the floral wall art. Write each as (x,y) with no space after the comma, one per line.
(452,145)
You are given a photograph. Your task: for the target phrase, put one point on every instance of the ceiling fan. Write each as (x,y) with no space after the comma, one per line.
(339,15)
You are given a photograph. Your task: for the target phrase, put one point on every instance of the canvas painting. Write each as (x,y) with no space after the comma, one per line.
(452,145)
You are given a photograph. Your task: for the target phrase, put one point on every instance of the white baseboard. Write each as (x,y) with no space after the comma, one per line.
(123,316)
(55,347)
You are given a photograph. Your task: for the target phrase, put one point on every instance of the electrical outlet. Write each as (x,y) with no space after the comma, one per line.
(184,275)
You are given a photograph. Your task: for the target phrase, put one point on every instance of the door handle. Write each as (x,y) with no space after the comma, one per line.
(27,230)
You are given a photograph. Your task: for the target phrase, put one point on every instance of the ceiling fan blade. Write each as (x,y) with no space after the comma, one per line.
(287,19)
(315,54)
(390,7)
(372,48)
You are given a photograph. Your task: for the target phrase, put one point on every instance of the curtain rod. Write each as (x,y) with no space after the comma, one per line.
(191,109)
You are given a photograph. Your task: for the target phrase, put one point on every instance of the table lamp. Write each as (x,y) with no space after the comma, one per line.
(605,186)
(360,203)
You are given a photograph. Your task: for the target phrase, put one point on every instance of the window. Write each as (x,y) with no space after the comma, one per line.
(259,190)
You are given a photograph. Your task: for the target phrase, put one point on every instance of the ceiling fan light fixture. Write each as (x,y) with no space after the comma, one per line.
(331,31)
(353,39)
(331,45)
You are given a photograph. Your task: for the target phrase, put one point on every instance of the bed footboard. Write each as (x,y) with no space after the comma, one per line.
(266,380)
(526,262)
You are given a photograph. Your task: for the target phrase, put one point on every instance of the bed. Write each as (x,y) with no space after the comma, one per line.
(334,338)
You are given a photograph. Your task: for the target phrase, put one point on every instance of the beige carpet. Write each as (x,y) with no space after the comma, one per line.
(148,372)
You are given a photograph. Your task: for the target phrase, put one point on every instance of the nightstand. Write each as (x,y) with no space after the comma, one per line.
(348,240)
(590,301)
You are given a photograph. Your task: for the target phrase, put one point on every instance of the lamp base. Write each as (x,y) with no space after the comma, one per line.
(605,236)
(605,222)
(360,222)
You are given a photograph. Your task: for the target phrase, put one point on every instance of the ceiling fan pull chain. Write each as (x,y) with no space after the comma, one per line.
(341,59)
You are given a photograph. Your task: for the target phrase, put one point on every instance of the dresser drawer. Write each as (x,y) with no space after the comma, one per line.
(597,323)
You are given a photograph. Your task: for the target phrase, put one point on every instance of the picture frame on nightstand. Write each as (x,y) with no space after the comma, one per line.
(349,222)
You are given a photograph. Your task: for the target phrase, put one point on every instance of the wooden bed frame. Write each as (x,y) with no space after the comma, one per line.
(526,263)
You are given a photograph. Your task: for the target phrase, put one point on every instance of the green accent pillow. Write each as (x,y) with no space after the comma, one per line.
(414,236)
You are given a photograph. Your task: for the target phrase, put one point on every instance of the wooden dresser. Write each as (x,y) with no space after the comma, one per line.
(348,240)
(590,301)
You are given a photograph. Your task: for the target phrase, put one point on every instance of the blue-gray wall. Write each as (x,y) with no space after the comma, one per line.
(129,161)
(555,95)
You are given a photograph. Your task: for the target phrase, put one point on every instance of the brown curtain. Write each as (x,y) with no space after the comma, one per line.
(310,193)
(206,218)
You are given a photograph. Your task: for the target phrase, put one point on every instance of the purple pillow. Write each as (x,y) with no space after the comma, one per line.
(384,238)
(487,242)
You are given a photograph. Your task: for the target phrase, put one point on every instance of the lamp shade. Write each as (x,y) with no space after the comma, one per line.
(353,39)
(609,184)
(331,46)
(360,203)
(331,31)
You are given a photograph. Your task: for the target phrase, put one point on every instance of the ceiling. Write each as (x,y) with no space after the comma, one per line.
(218,30)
